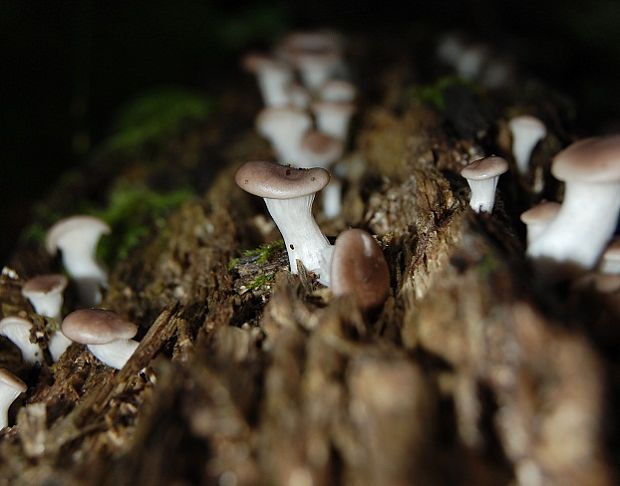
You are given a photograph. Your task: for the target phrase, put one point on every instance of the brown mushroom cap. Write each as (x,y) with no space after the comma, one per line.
(9,379)
(254,62)
(45,284)
(595,159)
(97,326)
(275,181)
(358,267)
(485,168)
(70,224)
(541,212)
(320,146)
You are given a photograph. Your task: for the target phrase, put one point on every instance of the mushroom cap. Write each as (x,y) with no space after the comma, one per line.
(358,267)
(338,90)
(97,326)
(485,168)
(333,107)
(14,321)
(45,284)
(318,148)
(9,379)
(541,212)
(527,122)
(275,181)
(595,159)
(272,117)
(254,62)
(79,223)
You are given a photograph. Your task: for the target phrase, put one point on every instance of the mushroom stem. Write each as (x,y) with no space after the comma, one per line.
(583,226)
(58,344)
(302,236)
(482,194)
(332,199)
(115,353)
(273,82)
(7,397)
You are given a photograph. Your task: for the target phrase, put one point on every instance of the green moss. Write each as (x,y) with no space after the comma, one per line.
(433,94)
(265,252)
(487,265)
(259,281)
(155,115)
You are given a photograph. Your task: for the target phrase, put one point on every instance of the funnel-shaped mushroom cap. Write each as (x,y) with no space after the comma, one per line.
(333,108)
(319,149)
(80,227)
(97,326)
(338,91)
(485,168)
(358,267)
(44,284)
(541,212)
(9,380)
(274,181)
(276,119)
(254,62)
(595,159)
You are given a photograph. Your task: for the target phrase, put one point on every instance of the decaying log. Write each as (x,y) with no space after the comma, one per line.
(472,373)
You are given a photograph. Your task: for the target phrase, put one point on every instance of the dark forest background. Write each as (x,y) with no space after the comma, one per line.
(67,67)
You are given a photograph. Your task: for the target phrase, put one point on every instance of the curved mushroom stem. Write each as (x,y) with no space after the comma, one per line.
(116,353)
(273,82)
(7,397)
(583,226)
(302,236)
(58,345)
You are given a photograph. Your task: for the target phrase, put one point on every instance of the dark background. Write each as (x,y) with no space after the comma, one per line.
(68,66)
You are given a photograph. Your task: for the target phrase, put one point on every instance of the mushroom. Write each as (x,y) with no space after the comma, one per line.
(45,294)
(309,41)
(10,388)
(482,176)
(17,330)
(471,61)
(358,267)
(333,118)
(274,78)
(610,261)
(526,131)
(298,96)
(284,128)
(319,150)
(332,198)
(338,91)
(587,219)
(537,218)
(288,194)
(77,237)
(106,334)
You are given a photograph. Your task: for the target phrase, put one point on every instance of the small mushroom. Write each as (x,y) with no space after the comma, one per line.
(77,237)
(333,118)
(317,66)
(319,150)
(309,41)
(45,294)
(338,91)
(471,61)
(577,236)
(274,78)
(284,128)
(526,131)
(17,330)
(10,388)
(298,96)
(332,198)
(610,261)
(538,218)
(358,267)
(106,334)
(288,194)
(482,176)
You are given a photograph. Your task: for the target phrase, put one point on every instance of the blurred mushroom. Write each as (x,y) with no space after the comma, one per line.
(526,131)
(338,91)
(610,261)
(106,335)
(17,330)
(319,150)
(538,218)
(482,176)
(333,118)
(284,128)
(274,78)
(77,237)
(10,388)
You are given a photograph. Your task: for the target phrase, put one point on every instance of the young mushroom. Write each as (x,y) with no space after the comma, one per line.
(77,237)
(538,218)
(526,131)
(338,91)
(288,194)
(106,335)
(482,176)
(274,78)
(45,294)
(10,388)
(577,236)
(284,128)
(358,267)
(17,330)
(319,150)
(333,118)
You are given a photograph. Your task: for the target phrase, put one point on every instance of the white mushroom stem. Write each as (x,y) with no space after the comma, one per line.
(58,345)
(116,353)
(332,198)
(302,236)
(17,331)
(483,194)
(315,71)
(273,82)
(585,223)
(526,133)
(48,305)
(7,397)
(78,258)
(333,122)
